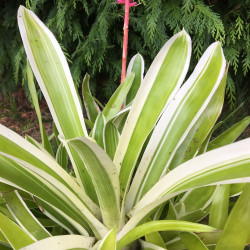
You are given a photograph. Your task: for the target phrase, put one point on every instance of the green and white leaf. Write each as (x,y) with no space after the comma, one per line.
(62,156)
(90,105)
(104,176)
(228,164)
(159,86)
(162,225)
(109,241)
(115,102)
(188,105)
(53,76)
(24,217)
(62,242)
(13,144)
(135,65)
(16,236)
(200,130)
(24,176)
(52,72)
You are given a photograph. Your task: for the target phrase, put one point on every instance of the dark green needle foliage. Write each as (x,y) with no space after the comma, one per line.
(90,33)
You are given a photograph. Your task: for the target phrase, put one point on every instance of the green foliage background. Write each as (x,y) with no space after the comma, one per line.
(90,33)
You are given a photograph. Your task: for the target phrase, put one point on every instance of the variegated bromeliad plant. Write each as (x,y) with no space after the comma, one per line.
(142,177)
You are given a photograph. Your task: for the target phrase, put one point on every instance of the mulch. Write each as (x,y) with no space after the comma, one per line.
(21,117)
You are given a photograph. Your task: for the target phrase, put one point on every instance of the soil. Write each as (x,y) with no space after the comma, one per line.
(17,114)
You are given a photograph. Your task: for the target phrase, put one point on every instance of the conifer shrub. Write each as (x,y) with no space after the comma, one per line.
(91,34)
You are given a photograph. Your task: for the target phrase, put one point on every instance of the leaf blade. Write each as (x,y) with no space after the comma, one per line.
(151,99)
(105,178)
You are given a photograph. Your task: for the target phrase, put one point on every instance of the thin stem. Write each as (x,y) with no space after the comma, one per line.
(125,40)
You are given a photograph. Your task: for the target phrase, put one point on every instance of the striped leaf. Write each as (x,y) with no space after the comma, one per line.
(53,76)
(170,132)
(52,73)
(62,157)
(13,144)
(200,130)
(109,241)
(161,225)
(16,236)
(228,164)
(90,105)
(24,176)
(160,84)
(62,242)
(115,102)
(135,65)
(24,217)
(104,176)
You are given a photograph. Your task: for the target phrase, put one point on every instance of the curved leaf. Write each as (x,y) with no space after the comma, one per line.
(24,217)
(52,73)
(115,102)
(24,176)
(188,105)
(228,164)
(237,231)
(104,176)
(135,65)
(62,242)
(219,209)
(159,86)
(16,237)
(191,241)
(13,144)
(109,241)
(90,105)
(162,225)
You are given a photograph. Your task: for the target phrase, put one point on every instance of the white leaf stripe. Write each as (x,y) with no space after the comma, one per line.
(231,157)
(63,242)
(15,213)
(21,12)
(104,175)
(166,124)
(68,199)
(205,162)
(143,92)
(50,163)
